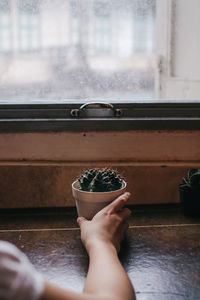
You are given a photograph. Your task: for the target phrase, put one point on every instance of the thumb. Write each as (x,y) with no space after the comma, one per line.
(81,220)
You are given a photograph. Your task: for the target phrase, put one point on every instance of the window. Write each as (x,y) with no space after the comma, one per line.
(102,35)
(83,50)
(75,30)
(28,25)
(5,27)
(102,28)
(143,30)
(63,53)
(75,25)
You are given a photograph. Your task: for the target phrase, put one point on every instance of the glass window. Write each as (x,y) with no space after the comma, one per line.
(28,25)
(5,27)
(75,25)
(143,30)
(102,27)
(78,50)
(102,38)
(109,50)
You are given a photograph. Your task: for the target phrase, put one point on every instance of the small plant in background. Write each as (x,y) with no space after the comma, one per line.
(100,180)
(190,193)
(193,179)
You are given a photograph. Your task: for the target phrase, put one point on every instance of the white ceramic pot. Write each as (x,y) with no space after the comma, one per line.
(89,203)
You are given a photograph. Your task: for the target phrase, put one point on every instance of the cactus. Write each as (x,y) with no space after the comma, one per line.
(100,180)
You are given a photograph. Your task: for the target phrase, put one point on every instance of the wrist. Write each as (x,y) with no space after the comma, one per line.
(97,246)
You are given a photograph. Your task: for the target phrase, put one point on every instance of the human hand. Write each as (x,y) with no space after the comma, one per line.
(108,225)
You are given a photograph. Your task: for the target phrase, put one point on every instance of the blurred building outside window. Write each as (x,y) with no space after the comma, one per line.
(143,31)
(28,32)
(73,49)
(102,27)
(102,34)
(5,28)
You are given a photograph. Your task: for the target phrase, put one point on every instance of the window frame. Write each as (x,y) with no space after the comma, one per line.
(166,78)
(40,116)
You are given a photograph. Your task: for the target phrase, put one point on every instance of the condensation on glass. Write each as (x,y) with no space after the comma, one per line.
(75,49)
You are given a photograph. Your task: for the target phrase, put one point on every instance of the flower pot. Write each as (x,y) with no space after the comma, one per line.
(89,203)
(190,200)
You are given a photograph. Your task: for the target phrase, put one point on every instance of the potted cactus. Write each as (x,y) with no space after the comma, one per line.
(96,188)
(190,193)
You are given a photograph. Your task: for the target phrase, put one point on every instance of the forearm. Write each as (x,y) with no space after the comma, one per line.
(53,292)
(106,276)
(106,279)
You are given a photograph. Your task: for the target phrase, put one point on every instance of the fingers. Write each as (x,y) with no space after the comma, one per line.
(125,213)
(118,204)
(81,220)
(122,231)
(124,228)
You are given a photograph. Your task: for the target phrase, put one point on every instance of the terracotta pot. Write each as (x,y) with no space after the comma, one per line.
(89,203)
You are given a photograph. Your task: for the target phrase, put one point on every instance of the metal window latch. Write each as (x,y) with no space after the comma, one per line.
(96,110)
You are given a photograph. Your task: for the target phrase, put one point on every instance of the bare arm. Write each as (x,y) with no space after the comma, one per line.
(102,237)
(106,278)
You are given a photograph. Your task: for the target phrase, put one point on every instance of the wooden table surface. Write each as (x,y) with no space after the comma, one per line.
(161,253)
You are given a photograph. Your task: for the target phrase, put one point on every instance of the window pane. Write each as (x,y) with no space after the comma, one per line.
(75,49)
(5,27)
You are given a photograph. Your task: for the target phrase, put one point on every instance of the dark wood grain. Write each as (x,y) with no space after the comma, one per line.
(161,257)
